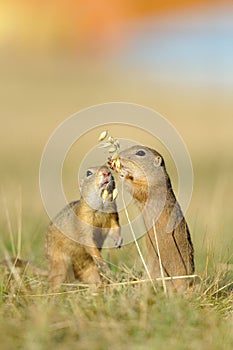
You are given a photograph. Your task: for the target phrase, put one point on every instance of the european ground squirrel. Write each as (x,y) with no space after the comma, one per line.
(75,237)
(144,173)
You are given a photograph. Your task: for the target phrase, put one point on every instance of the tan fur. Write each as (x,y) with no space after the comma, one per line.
(23,265)
(75,237)
(147,179)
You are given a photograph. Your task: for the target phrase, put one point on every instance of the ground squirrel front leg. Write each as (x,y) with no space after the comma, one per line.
(57,273)
(115,232)
(94,252)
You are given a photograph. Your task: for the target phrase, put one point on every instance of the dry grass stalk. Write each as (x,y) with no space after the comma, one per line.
(160,261)
(14,274)
(136,243)
(86,287)
(19,222)
(9,227)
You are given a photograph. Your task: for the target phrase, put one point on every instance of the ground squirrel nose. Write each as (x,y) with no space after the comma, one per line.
(105,173)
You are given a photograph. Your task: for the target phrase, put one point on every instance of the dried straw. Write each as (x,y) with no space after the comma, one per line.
(136,243)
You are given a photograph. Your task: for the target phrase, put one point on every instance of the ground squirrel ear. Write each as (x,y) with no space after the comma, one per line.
(157,161)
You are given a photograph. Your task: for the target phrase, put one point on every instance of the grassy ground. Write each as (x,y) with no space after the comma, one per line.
(37,97)
(116,315)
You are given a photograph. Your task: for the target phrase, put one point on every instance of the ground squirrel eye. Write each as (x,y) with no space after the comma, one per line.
(140,153)
(89,172)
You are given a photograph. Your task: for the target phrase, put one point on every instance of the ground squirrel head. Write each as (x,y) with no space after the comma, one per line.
(97,187)
(143,170)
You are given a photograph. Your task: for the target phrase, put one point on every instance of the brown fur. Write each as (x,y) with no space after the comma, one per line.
(146,177)
(75,237)
(23,265)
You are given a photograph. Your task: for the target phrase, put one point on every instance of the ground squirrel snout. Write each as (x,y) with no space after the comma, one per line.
(97,188)
(75,237)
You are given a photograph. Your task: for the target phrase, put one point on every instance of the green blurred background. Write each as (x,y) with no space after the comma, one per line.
(59,57)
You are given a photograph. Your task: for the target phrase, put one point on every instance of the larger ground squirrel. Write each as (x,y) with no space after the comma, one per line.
(145,175)
(75,237)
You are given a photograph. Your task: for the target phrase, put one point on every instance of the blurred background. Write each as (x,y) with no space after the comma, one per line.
(174,56)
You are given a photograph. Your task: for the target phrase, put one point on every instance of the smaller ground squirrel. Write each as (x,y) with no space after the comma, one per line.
(144,173)
(75,237)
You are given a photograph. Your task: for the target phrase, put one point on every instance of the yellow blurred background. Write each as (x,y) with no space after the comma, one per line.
(176,57)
